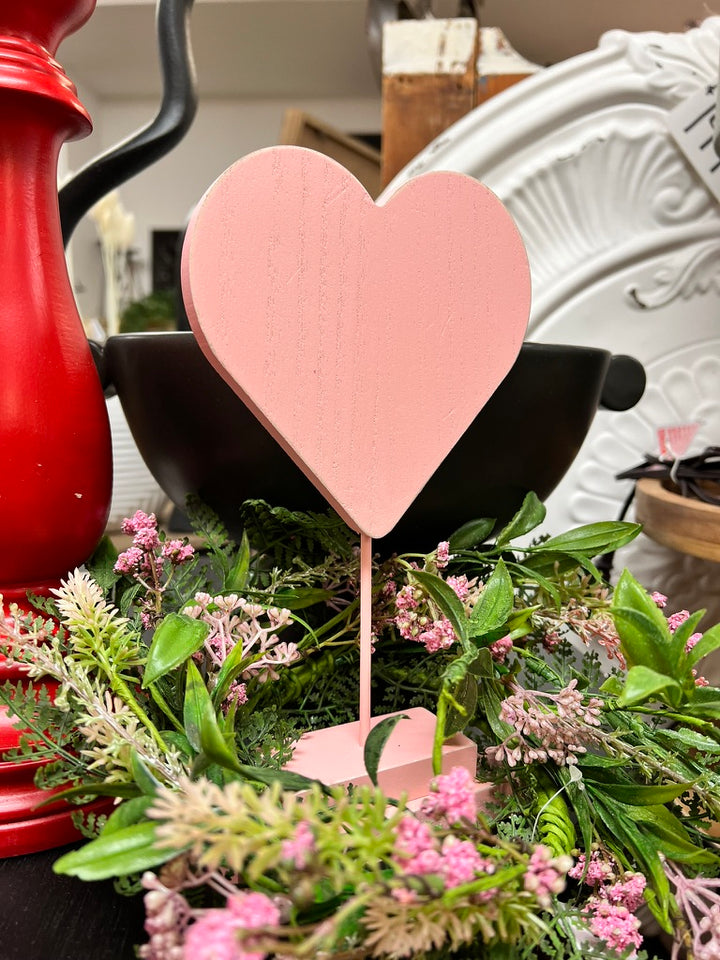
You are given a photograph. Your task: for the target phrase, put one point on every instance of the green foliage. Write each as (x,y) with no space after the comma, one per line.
(641,786)
(283,535)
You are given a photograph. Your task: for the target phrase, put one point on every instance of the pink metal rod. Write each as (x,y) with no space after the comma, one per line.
(365,633)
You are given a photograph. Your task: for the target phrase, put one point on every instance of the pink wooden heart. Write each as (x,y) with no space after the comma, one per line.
(366,338)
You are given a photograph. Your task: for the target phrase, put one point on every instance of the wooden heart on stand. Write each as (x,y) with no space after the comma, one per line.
(365,338)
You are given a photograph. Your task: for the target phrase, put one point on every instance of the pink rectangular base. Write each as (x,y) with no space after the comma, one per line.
(334,755)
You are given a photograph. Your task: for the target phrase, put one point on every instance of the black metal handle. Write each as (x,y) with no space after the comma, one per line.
(624,383)
(176,113)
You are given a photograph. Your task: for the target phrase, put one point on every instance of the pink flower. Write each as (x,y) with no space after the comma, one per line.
(237,693)
(439,636)
(416,847)
(442,555)
(176,551)
(413,837)
(629,892)
(214,937)
(452,796)
(692,641)
(217,935)
(499,649)
(406,599)
(598,870)
(254,910)
(146,538)
(300,847)
(659,598)
(129,561)
(460,585)
(675,619)
(460,862)
(138,521)
(545,875)
(614,924)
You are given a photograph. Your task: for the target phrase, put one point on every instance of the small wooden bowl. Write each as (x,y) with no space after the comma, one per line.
(681,523)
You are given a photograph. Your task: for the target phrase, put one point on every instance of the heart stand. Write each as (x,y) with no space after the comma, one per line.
(335,755)
(345,326)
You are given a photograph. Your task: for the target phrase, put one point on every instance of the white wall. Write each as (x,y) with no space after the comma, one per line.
(162,196)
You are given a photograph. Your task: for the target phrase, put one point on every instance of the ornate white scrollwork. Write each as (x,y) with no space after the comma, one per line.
(614,219)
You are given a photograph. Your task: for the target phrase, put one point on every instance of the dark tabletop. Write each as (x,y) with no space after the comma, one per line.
(48,917)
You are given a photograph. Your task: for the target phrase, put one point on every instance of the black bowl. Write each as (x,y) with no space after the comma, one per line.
(197,436)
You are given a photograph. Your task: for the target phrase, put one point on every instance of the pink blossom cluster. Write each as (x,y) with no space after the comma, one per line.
(233,619)
(150,560)
(221,934)
(452,797)
(599,870)
(612,907)
(442,555)
(545,875)
(595,629)
(461,585)
(300,848)
(499,649)
(413,624)
(419,853)
(614,923)
(141,558)
(541,732)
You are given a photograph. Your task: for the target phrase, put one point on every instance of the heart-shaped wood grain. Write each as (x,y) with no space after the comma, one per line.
(365,337)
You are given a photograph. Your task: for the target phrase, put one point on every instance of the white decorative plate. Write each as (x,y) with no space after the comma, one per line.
(624,247)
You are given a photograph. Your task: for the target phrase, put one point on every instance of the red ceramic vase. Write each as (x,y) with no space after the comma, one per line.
(55,451)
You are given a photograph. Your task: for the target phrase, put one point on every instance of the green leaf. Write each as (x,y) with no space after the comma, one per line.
(233,665)
(710,641)
(684,740)
(530,572)
(495,603)
(530,515)
(201,724)
(618,827)
(671,837)
(642,683)
(176,638)
(490,702)
(705,702)
(117,854)
(122,790)
(205,736)
(642,642)
(465,696)
(643,629)
(471,534)
(447,601)
(375,744)
(298,598)
(594,538)
(640,794)
(128,813)
(144,778)
(612,686)
(237,576)
(101,565)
